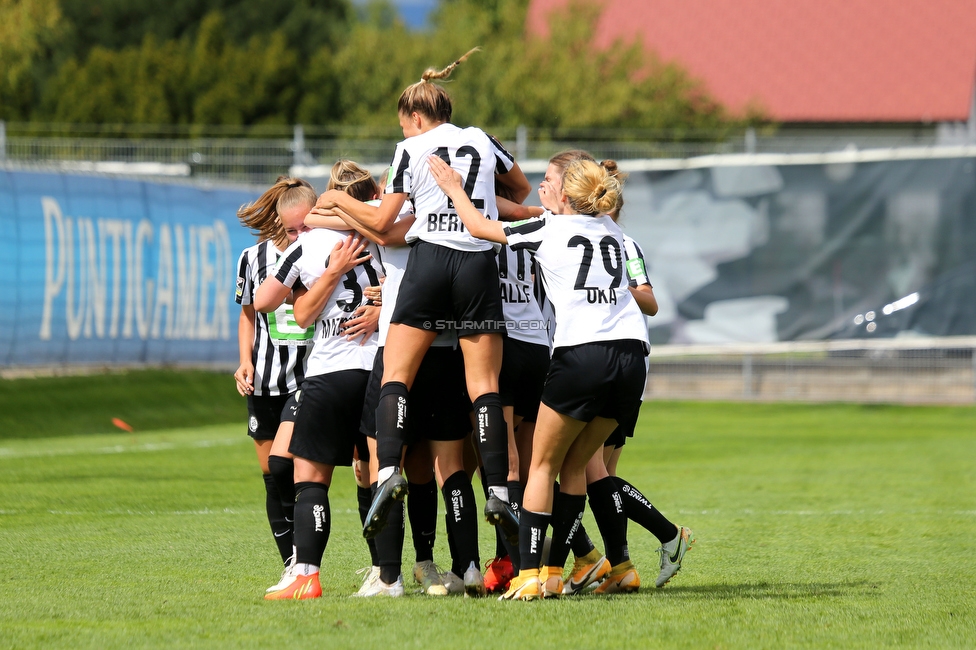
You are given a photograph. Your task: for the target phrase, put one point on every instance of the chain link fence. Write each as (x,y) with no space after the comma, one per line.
(257,155)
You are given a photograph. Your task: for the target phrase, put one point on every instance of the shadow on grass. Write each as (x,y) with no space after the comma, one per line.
(777,591)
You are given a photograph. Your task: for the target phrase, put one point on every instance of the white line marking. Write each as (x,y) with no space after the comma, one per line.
(7,452)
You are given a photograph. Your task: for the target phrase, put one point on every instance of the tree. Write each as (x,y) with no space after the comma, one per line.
(29,31)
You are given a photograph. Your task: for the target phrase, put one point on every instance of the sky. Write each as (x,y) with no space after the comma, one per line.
(414,12)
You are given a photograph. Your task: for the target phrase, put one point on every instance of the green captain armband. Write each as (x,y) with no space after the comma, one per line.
(635,268)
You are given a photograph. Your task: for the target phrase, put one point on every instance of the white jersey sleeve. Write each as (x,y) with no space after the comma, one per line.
(244,293)
(636,268)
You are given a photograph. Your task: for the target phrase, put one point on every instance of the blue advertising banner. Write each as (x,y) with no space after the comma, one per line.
(107,270)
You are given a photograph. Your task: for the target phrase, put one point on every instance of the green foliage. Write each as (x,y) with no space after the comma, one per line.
(251,62)
(29,32)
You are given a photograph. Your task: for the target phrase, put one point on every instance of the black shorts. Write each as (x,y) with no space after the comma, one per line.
(524,370)
(439,403)
(601,379)
(624,430)
(443,287)
(266,412)
(328,420)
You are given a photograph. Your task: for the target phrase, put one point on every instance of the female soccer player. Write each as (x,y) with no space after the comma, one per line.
(601,479)
(597,371)
(272,348)
(337,271)
(440,423)
(451,280)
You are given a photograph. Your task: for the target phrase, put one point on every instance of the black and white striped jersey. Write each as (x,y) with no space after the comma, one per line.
(636,268)
(280,346)
(304,262)
(472,153)
(580,259)
(523,317)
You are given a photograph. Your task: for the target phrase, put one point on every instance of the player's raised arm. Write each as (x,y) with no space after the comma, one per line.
(379,218)
(476,223)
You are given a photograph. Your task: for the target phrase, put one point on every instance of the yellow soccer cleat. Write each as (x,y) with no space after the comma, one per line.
(551,581)
(525,586)
(587,570)
(623,579)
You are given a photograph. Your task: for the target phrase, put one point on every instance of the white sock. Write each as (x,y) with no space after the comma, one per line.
(500,492)
(384,474)
(306,569)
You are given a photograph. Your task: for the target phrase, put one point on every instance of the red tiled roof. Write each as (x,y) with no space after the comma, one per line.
(810,60)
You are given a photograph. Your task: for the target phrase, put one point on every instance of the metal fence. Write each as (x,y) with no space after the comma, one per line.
(257,155)
(912,371)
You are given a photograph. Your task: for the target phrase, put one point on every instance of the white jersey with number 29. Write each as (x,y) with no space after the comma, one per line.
(473,154)
(581,262)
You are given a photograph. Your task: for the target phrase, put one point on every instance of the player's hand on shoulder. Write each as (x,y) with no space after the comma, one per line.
(348,254)
(446,178)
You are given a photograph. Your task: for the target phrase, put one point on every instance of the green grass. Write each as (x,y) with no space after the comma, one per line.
(817,526)
(145,399)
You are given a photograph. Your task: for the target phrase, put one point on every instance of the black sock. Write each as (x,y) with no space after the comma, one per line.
(422,512)
(462,521)
(283,471)
(313,522)
(391,423)
(608,510)
(280,526)
(640,510)
(582,544)
(491,432)
(515,492)
(532,535)
(567,512)
(389,544)
(364,496)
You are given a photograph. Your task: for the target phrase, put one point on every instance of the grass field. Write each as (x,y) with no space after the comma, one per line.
(820,526)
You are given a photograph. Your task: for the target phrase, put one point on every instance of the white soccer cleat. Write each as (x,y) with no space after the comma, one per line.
(379,588)
(285,578)
(372,575)
(428,576)
(672,553)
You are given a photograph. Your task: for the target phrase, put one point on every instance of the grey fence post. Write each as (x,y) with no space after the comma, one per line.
(3,141)
(747,376)
(298,145)
(521,142)
(973,352)
(750,142)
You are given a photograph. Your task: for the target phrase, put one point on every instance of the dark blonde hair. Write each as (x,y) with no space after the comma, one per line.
(590,189)
(565,159)
(261,216)
(354,180)
(613,170)
(428,98)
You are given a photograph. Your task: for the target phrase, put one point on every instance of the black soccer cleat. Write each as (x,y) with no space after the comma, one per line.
(499,513)
(393,489)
